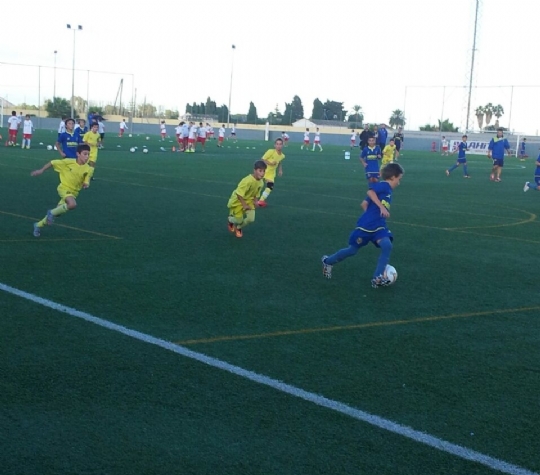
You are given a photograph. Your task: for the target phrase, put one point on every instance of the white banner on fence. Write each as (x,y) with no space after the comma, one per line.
(478,148)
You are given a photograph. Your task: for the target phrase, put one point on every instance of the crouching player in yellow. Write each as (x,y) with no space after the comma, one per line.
(272,158)
(388,153)
(74,176)
(243,200)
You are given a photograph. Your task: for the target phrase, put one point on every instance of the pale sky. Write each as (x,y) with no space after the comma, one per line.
(347,51)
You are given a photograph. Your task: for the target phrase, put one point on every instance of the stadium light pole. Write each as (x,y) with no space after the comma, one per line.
(75,29)
(230,87)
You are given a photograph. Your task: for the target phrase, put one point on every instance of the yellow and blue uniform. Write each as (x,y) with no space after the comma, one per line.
(249,188)
(273,156)
(462,149)
(371,156)
(388,155)
(72,177)
(92,139)
(69,143)
(498,145)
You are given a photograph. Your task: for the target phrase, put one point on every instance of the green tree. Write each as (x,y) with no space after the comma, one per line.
(288,115)
(25,106)
(429,128)
(171,114)
(222,113)
(297,108)
(189,109)
(79,104)
(498,112)
(397,118)
(210,106)
(357,117)
(447,126)
(488,110)
(58,107)
(252,116)
(479,112)
(147,110)
(318,110)
(335,110)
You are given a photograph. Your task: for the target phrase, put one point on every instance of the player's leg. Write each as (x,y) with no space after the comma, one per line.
(493,171)
(266,192)
(465,171)
(499,171)
(384,257)
(249,218)
(452,168)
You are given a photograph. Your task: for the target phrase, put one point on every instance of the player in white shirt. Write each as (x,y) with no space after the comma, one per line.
(123,127)
(101,131)
(201,135)
(192,137)
(163,130)
(353,139)
(221,135)
(178,131)
(62,126)
(285,138)
(209,131)
(444,146)
(28,128)
(13,128)
(233,133)
(317,140)
(306,140)
(185,135)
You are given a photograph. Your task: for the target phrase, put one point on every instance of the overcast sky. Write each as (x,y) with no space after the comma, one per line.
(369,53)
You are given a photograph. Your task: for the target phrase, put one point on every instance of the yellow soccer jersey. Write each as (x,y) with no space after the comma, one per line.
(274,157)
(92,139)
(72,175)
(249,188)
(388,154)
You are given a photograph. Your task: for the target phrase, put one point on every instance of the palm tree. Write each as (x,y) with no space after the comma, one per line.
(479,112)
(488,109)
(358,113)
(498,111)
(397,118)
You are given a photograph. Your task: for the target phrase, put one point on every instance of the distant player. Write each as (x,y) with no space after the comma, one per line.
(522,149)
(123,128)
(81,128)
(273,159)
(92,139)
(285,138)
(185,136)
(28,128)
(221,135)
(444,146)
(163,130)
(101,131)
(68,140)
(62,126)
(13,128)
(353,139)
(201,135)
(371,226)
(179,140)
(364,136)
(399,138)
(209,132)
(243,199)
(462,148)
(233,133)
(192,137)
(536,185)
(370,160)
(383,136)
(74,176)
(317,140)
(496,148)
(306,140)
(388,153)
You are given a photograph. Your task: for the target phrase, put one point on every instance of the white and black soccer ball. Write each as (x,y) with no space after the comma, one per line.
(130,135)
(390,274)
(132,149)
(145,150)
(49,147)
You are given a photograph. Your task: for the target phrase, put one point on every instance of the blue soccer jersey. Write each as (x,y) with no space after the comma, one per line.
(523,147)
(537,171)
(372,220)
(498,145)
(371,155)
(462,149)
(69,142)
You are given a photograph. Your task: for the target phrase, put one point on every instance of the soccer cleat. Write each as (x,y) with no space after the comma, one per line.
(37,231)
(379,282)
(231,227)
(498,179)
(50,218)
(262,204)
(466,176)
(326,268)
(526,186)
(447,173)
(238,233)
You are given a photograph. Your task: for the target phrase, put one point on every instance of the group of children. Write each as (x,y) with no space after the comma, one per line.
(14,124)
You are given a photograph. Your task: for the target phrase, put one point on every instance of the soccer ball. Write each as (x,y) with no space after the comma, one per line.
(147,138)
(130,135)
(390,273)
(132,149)
(49,147)
(145,150)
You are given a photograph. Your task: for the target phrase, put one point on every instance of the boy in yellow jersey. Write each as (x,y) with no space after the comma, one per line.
(243,200)
(272,158)
(93,140)
(388,153)
(74,176)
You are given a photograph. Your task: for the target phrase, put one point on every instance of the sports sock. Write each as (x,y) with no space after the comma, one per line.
(265,194)
(60,210)
(341,254)
(465,171)
(386,248)
(452,168)
(42,223)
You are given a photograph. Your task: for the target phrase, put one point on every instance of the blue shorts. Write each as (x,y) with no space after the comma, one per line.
(359,238)
(498,162)
(373,175)
(462,160)
(398,145)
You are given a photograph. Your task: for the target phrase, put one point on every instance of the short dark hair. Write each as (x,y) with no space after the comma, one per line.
(259,165)
(500,129)
(279,139)
(392,170)
(83,146)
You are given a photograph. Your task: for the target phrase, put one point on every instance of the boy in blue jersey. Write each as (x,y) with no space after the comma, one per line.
(462,158)
(522,146)
(496,149)
(371,226)
(536,185)
(370,160)
(68,141)
(81,129)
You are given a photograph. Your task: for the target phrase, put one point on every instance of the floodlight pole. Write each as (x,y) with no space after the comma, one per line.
(472,66)
(230,87)
(79,28)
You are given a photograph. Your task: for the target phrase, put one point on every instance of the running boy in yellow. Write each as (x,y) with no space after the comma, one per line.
(273,159)
(388,153)
(93,139)
(74,176)
(243,200)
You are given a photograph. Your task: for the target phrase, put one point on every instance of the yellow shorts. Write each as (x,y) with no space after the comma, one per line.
(92,158)
(385,161)
(64,192)
(270,175)
(238,212)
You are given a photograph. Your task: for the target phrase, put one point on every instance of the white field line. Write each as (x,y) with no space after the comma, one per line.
(380,422)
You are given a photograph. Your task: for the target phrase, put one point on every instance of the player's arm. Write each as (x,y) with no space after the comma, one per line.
(58,146)
(42,169)
(364,205)
(374,198)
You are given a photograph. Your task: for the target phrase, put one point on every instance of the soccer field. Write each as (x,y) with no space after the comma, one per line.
(147,339)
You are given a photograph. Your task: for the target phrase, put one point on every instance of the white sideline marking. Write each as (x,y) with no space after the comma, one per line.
(386,424)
